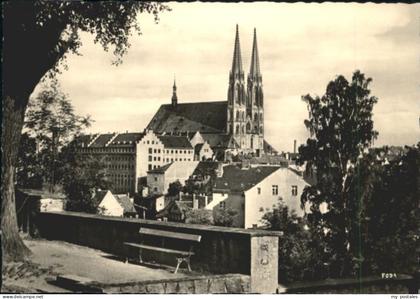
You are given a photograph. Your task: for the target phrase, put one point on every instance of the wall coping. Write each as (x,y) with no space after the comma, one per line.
(344,282)
(217,229)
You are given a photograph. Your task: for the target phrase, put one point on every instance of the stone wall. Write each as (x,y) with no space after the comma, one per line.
(401,284)
(215,284)
(222,250)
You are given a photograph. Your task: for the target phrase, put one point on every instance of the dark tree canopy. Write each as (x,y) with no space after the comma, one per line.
(341,128)
(37,36)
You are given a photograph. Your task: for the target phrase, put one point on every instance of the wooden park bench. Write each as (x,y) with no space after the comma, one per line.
(181,255)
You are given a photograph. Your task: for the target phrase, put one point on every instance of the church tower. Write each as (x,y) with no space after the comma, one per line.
(174,99)
(255,103)
(237,97)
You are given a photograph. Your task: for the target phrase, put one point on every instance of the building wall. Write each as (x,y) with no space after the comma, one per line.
(110,206)
(234,201)
(196,139)
(205,153)
(181,171)
(156,183)
(120,162)
(257,203)
(177,154)
(149,154)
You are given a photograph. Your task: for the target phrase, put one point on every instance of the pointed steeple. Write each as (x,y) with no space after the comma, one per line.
(237,59)
(174,96)
(255,62)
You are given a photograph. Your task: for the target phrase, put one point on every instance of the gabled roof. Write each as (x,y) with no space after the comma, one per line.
(102,140)
(125,203)
(83,140)
(99,195)
(175,205)
(190,117)
(126,139)
(268,148)
(235,179)
(198,148)
(170,141)
(161,169)
(220,140)
(206,167)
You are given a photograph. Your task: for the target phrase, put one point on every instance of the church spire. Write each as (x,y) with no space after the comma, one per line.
(237,59)
(255,62)
(174,96)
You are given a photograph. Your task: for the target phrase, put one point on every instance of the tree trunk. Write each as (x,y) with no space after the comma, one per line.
(13,247)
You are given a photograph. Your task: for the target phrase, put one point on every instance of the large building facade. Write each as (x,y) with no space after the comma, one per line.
(240,117)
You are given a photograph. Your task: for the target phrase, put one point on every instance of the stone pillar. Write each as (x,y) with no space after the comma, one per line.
(264,264)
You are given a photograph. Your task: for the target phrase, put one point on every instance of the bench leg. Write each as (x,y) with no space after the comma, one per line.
(179,262)
(126,260)
(188,263)
(140,259)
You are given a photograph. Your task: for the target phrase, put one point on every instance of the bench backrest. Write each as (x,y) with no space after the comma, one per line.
(168,234)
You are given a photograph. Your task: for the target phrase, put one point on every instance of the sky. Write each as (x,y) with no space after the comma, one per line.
(301,47)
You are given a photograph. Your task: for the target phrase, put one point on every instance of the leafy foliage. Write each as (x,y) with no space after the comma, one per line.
(224,217)
(299,250)
(199,217)
(341,128)
(385,228)
(82,177)
(28,173)
(50,124)
(174,188)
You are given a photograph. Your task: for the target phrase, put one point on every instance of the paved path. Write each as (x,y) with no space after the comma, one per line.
(56,257)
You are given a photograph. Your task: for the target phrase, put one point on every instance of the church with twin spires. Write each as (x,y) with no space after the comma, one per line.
(238,122)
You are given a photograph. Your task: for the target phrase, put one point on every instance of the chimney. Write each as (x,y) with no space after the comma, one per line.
(219,171)
(294,146)
(245,164)
(195,202)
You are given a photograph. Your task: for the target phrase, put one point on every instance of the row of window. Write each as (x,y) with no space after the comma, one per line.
(157,151)
(121,166)
(275,190)
(120,158)
(107,150)
(118,175)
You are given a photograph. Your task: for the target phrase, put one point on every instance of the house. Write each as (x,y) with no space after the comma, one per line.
(119,205)
(252,191)
(175,210)
(202,152)
(158,179)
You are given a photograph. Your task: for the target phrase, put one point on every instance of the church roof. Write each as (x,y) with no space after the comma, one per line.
(190,117)
(220,140)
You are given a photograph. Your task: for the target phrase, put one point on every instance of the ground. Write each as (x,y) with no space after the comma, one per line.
(52,258)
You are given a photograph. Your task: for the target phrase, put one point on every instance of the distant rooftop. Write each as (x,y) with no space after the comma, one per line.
(235,179)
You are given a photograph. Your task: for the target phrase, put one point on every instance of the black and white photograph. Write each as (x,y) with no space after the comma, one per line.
(210,148)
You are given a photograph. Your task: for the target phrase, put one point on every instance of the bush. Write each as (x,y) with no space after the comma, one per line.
(199,217)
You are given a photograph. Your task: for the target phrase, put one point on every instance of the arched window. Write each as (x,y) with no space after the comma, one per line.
(261,130)
(248,128)
(243,115)
(243,129)
(261,117)
(237,115)
(256,116)
(237,129)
